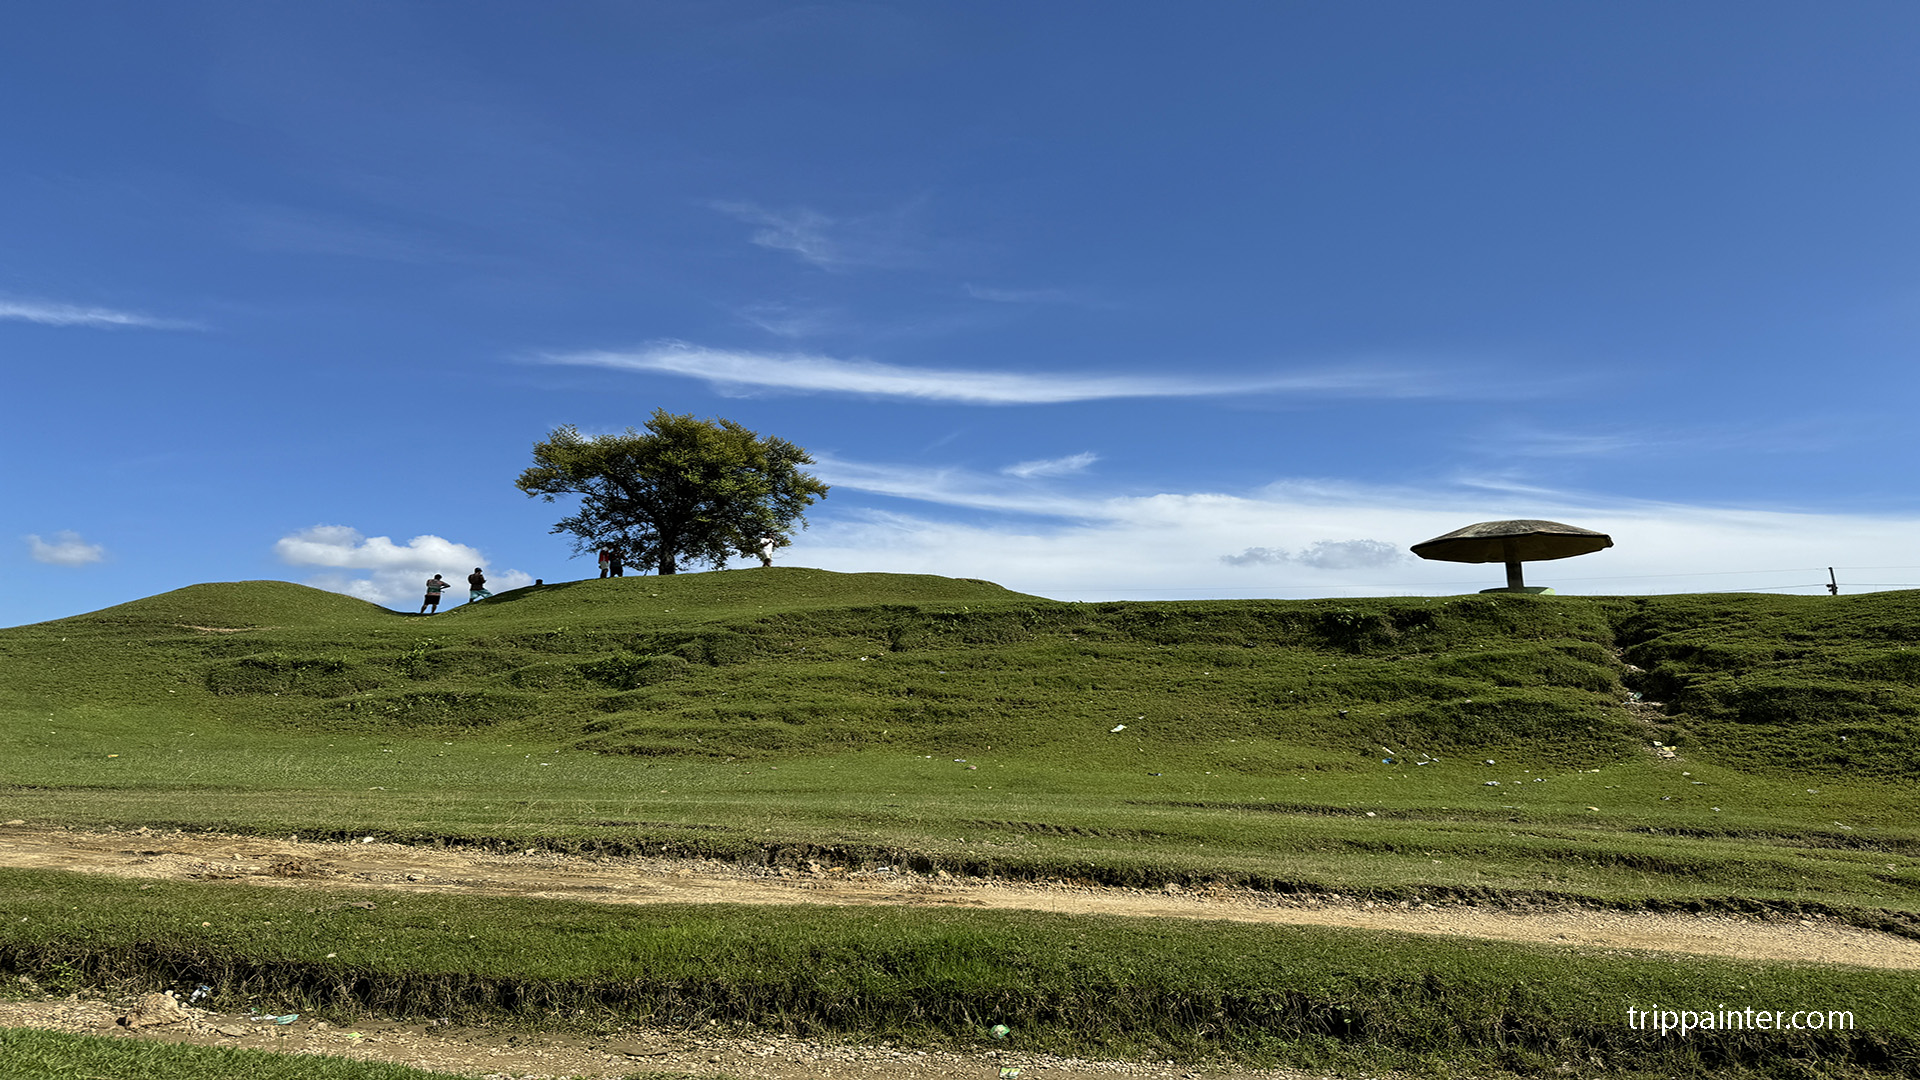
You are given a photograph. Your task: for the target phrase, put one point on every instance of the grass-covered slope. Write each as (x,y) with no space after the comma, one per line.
(1468,744)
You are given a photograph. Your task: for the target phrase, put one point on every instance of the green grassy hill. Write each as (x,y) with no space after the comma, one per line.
(1468,745)
(789,661)
(1490,748)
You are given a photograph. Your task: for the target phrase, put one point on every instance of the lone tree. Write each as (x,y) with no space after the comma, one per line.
(700,490)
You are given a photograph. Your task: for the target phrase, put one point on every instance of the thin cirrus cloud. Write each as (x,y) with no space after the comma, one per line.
(1060,466)
(738,372)
(67,548)
(47,313)
(1024,296)
(827,242)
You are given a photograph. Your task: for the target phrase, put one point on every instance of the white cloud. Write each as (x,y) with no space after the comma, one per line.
(1024,296)
(1167,545)
(1323,554)
(1061,466)
(789,321)
(830,243)
(952,487)
(395,574)
(802,232)
(51,314)
(66,549)
(738,372)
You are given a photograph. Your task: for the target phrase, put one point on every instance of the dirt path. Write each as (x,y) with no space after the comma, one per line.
(296,864)
(496,1054)
(499,1054)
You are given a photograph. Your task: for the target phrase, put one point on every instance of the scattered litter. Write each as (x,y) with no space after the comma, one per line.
(1156,774)
(999,1031)
(1370,813)
(366,839)
(1489,761)
(203,991)
(1596,809)
(1386,761)
(1491,783)
(1716,809)
(1116,729)
(971,768)
(1009,1072)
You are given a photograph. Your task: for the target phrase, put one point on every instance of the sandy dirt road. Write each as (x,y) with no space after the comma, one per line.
(485,1052)
(296,864)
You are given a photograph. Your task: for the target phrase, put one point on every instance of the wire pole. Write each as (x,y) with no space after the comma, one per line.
(1833,583)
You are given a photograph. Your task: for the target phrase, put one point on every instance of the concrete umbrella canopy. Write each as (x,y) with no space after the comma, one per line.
(1513,542)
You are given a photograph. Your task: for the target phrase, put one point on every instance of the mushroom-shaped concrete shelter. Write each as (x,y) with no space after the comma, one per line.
(1513,542)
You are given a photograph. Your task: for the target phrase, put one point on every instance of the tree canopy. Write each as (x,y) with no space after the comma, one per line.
(698,490)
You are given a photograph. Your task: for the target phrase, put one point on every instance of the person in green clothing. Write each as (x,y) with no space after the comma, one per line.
(434,586)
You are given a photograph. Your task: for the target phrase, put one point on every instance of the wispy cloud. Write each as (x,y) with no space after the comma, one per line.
(1060,466)
(951,487)
(65,549)
(52,314)
(801,232)
(830,243)
(788,320)
(1774,438)
(738,372)
(1025,296)
(394,574)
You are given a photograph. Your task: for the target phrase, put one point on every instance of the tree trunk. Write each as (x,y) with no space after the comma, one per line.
(666,564)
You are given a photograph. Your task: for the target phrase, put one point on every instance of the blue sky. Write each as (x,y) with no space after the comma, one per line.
(1096,300)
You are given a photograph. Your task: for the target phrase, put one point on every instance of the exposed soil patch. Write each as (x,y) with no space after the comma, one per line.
(303,864)
(500,1054)
(507,1054)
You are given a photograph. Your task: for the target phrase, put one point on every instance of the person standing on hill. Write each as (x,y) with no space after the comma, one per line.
(477,586)
(616,562)
(434,587)
(606,561)
(767,544)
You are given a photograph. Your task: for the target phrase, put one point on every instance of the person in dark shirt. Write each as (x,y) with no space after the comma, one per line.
(477,586)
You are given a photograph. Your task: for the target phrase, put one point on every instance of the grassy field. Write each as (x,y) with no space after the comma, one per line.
(1477,746)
